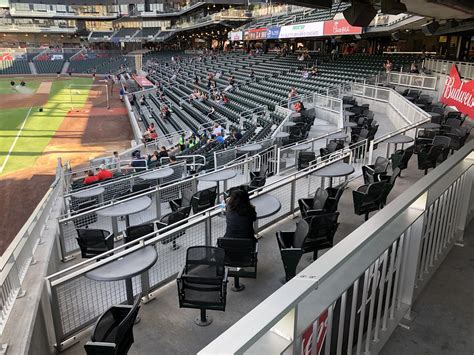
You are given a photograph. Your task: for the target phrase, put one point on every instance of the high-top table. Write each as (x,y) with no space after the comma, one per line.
(218,176)
(88,193)
(126,268)
(125,208)
(334,170)
(158,174)
(336,136)
(398,139)
(250,148)
(266,205)
(279,137)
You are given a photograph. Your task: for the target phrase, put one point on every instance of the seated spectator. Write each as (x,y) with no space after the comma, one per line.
(142,100)
(211,111)
(414,69)
(90,178)
(150,134)
(116,160)
(172,159)
(104,173)
(236,135)
(225,100)
(314,71)
(219,138)
(163,152)
(155,157)
(138,162)
(182,142)
(217,129)
(305,74)
(165,113)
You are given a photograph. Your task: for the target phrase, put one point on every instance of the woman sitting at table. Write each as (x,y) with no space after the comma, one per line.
(240,215)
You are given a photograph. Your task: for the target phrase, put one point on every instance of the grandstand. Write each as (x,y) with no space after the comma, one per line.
(170,162)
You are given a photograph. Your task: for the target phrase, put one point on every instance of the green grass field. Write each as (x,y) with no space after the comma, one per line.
(5,87)
(25,133)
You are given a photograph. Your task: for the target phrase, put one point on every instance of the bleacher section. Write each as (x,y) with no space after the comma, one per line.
(101,65)
(124,33)
(48,66)
(305,16)
(18,66)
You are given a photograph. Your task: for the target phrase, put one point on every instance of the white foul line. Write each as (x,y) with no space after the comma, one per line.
(14,142)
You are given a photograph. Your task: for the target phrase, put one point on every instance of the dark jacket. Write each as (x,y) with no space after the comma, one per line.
(240,226)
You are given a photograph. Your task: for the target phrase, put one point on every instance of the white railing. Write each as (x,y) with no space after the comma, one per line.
(419,81)
(93,298)
(19,255)
(465,69)
(351,299)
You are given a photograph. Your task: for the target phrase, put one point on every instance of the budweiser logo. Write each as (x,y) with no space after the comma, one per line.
(458,93)
(342,29)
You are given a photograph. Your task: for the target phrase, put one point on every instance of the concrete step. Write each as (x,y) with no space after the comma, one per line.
(32,68)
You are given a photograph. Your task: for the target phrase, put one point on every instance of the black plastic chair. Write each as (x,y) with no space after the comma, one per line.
(322,229)
(113,331)
(291,248)
(334,195)
(389,184)
(94,242)
(204,199)
(202,284)
(241,256)
(333,146)
(314,205)
(141,186)
(368,198)
(135,232)
(372,172)
(184,201)
(401,158)
(304,159)
(429,159)
(174,218)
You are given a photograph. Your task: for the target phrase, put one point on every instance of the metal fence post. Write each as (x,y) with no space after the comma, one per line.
(208,230)
(158,202)
(293,196)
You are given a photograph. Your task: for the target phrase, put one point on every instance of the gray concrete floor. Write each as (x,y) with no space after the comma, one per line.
(444,312)
(167,329)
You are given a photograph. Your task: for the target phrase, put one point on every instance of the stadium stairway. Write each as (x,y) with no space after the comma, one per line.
(33,68)
(65,67)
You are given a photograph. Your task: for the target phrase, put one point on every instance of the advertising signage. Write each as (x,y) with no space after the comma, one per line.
(273,32)
(235,36)
(340,28)
(458,93)
(312,29)
(255,34)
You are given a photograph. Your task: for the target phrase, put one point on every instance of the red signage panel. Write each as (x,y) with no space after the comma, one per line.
(255,34)
(458,93)
(142,81)
(340,28)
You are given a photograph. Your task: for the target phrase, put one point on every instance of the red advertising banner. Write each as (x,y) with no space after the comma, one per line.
(458,93)
(255,34)
(307,337)
(340,28)
(142,81)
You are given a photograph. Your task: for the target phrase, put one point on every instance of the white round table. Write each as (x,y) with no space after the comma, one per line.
(124,209)
(218,176)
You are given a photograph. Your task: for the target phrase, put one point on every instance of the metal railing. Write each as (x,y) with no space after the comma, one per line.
(419,81)
(465,69)
(226,156)
(92,298)
(159,195)
(351,299)
(19,255)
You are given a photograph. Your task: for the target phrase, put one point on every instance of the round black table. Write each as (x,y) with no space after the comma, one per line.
(336,136)
(398,139)
(125,209)
(334,170)
(218,176)
(279,137)
(429,125)
(266,205)
(250,148)
(88,193)
(125,268)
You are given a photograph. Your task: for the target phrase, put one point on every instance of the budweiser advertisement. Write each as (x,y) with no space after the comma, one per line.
(313,337)
(458,93)
(340,28)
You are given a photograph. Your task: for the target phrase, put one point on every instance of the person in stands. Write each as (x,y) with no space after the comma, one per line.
(219,138)
(240,216)
(150,134)
(414,68)
(182,142)
(236,135)
(388,65)
(163,152)
(217,129)
(172,159)
(291,95)
(104,173)
(252,75)
(90,178)
(138,162)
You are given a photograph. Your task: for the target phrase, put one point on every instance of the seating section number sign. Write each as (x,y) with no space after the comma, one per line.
(458,93)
